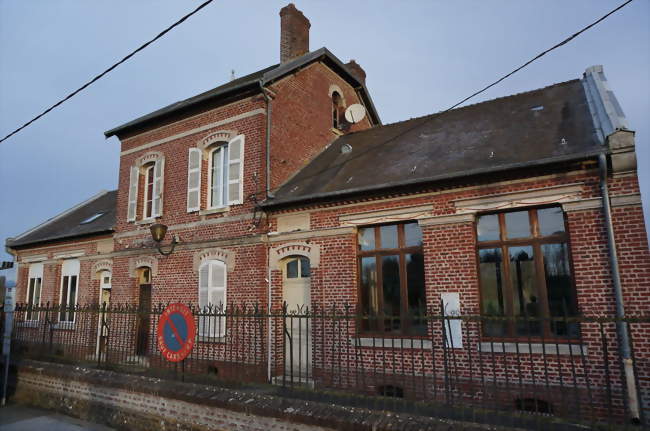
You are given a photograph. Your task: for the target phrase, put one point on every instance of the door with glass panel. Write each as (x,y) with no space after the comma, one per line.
(297,295)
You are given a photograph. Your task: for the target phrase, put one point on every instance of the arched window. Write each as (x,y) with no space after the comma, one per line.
(218,192)
(297,267)
(336,109)
(148,190)
(146,173)
(212,293)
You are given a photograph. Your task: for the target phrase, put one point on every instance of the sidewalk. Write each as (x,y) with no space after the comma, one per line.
(16,417)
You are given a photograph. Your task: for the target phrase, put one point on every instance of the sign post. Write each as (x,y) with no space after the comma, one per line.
(6,338)
(176,332)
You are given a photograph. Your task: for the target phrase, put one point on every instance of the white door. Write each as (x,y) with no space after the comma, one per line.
(298,339)
(104,298)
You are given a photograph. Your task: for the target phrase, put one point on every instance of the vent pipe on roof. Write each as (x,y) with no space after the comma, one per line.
(294,33)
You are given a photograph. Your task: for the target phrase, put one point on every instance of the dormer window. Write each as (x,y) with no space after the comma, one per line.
(336,110)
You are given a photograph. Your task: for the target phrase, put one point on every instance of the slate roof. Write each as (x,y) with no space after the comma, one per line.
(537,127)
(69,224)
(253,81)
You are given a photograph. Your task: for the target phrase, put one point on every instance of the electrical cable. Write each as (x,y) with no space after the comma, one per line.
(96,78)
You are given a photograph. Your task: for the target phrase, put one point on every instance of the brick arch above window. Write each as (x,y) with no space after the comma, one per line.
(280,252)
(213,138)
(207,254)
(143,262)
(101,265)
(335,88)
(150,157)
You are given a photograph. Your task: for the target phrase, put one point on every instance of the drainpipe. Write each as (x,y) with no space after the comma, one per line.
(268,96)
(621,326)
(267,99)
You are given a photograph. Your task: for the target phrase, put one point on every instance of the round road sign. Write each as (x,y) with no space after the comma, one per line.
(176,332)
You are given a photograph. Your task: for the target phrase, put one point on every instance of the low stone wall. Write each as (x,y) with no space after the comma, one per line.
(142,403)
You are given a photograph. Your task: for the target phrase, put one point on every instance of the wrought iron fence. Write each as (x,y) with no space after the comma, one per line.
(453,366)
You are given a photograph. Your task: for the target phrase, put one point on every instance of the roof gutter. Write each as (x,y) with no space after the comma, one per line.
(621,325)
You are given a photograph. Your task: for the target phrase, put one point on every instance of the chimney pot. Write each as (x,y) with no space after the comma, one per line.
(357,71)
(294,33)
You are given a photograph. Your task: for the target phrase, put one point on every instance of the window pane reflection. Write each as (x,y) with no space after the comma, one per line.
(559,289)
(488,227)
(304,267)
(388,236)
(551,221)
(416,295)
(525,296)
(367,238)
(391,287)
(369,296)
(292,269)
(412,235)
(491,268)
(517,224)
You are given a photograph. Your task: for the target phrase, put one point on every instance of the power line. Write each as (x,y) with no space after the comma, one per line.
(424,120)
(564,42)
(96,78)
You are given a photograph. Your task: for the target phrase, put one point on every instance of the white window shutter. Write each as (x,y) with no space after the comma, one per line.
(204,277)
(218,293)
(158,187)
(236,170)
(133,194)
(194,180)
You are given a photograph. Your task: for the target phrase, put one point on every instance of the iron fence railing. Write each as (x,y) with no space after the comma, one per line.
(453,362)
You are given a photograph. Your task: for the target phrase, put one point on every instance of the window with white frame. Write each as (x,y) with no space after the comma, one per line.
(225,173)
(212,298)
(151,173)
(148,191)
(218,192)
(69,289)
(34,289)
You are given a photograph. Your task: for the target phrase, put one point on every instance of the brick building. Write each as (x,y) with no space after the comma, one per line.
(273,194)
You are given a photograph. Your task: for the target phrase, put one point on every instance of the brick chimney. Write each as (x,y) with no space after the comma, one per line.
(356,70)
(294,33)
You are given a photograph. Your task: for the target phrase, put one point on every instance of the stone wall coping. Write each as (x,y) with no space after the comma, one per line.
(299,411)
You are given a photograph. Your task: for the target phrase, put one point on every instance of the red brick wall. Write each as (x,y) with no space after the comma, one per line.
(302,118)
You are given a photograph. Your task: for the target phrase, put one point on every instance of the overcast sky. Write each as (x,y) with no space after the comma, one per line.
(420,57)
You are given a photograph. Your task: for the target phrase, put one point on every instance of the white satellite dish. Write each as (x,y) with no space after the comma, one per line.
(355,113)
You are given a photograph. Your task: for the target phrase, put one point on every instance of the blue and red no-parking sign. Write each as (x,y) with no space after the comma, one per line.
(176,332)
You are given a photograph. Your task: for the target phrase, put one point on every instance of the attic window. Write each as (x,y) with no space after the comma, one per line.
(92,218)
(336,110)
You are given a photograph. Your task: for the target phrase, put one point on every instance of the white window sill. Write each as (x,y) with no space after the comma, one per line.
(546,348)
(64,325)
(145,221)
(28,324)
(208,339)
(214,210)
(392,343)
